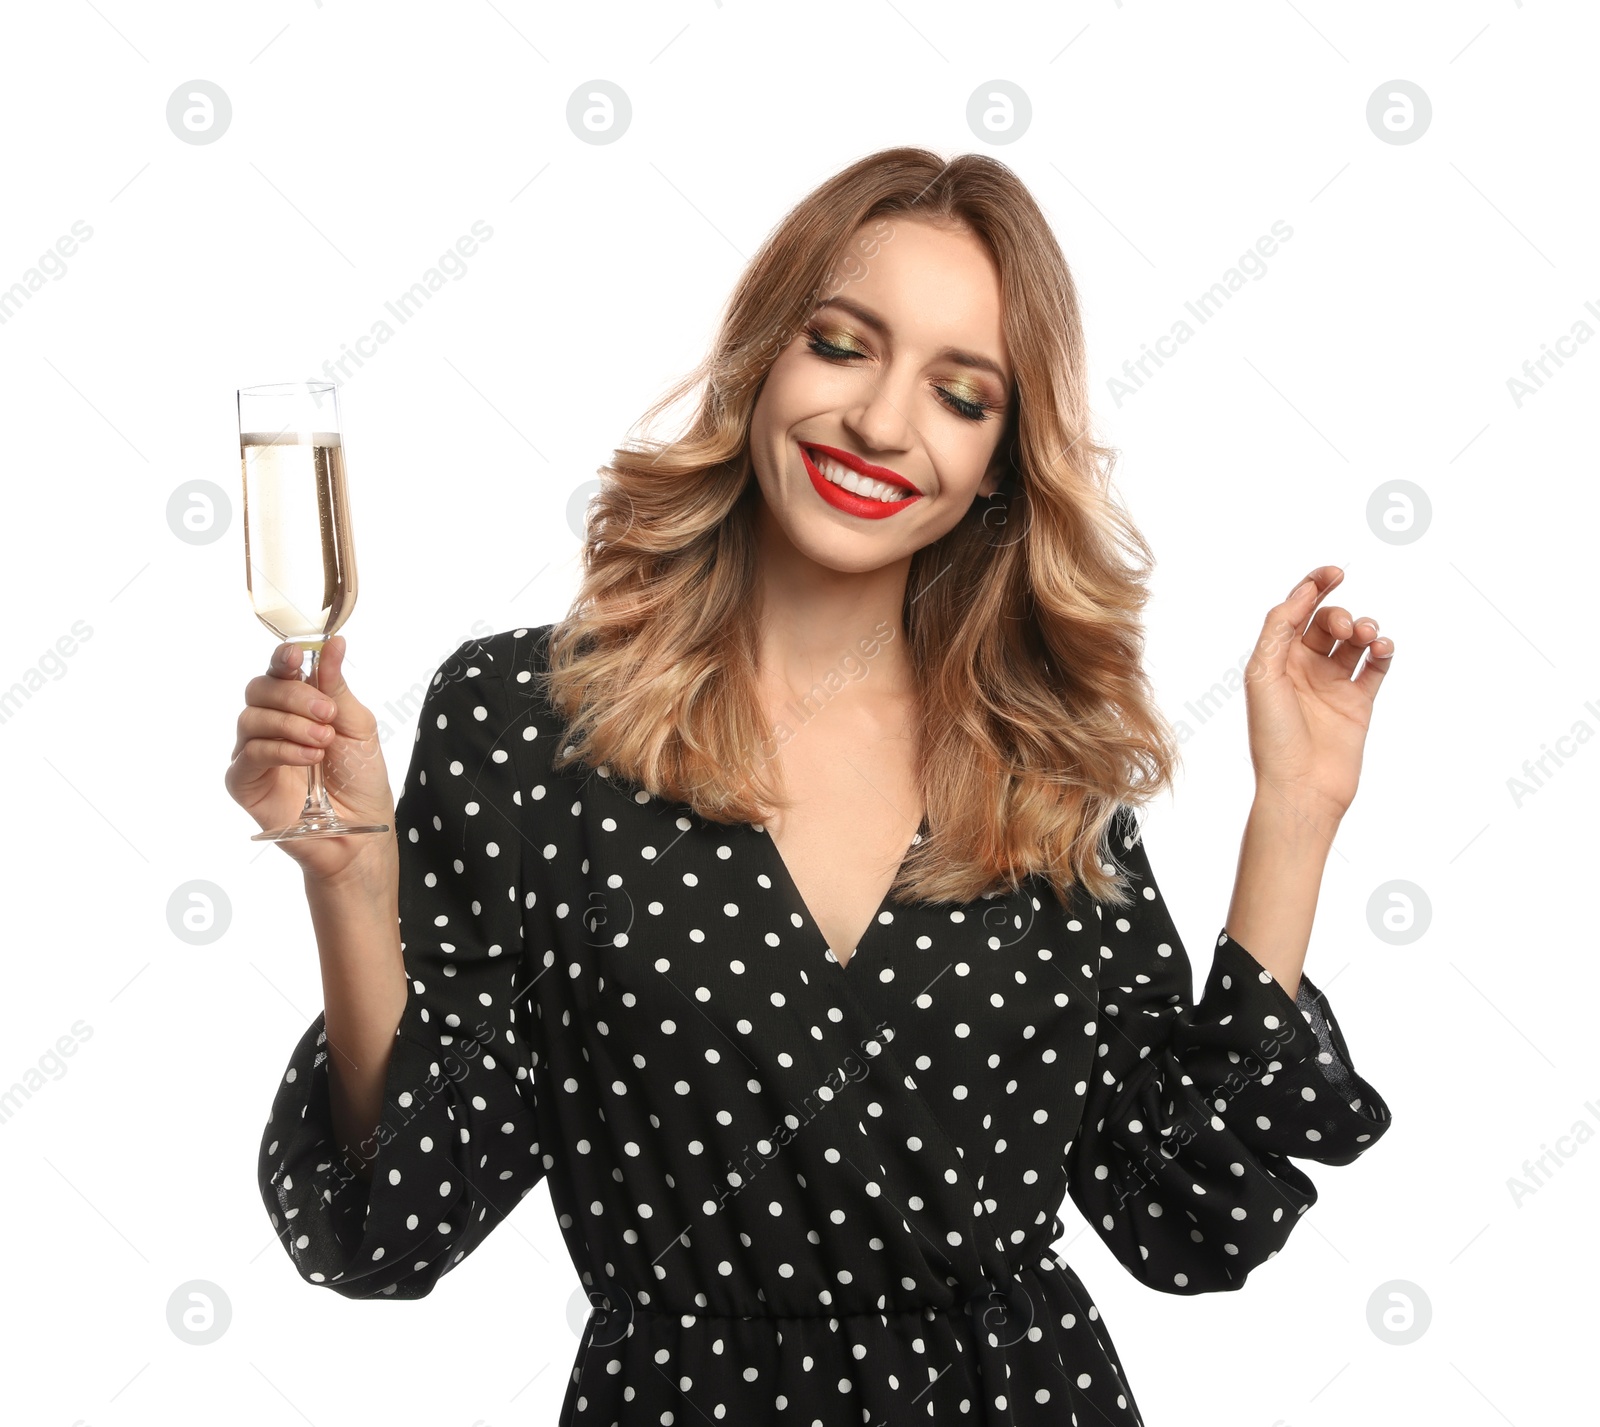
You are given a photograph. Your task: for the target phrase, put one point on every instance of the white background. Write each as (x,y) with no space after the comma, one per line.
(1165,139)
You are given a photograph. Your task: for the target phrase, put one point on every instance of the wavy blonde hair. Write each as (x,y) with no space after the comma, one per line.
(1036,719)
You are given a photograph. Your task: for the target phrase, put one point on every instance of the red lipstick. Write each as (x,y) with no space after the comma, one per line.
(849,501)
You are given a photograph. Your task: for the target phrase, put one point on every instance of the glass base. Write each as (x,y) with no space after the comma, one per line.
(330,826)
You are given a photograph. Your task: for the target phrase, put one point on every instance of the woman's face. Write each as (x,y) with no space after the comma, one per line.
(905,371)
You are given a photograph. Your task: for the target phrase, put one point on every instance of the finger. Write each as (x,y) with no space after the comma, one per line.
(283,725)
(263,754)
(285,662)
(292,694)
(1328,626)
(1328,578)
(1380,654)
(330,667)
(1320,581)
(351,717)
(1305,596)
(1348,654)
(1286,622)
(1279,630)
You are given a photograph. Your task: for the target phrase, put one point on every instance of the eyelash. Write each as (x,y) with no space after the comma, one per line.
(967,410)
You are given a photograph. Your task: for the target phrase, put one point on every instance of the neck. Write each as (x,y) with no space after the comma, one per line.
(817,622)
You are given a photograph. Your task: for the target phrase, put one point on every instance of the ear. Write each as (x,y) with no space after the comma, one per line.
(997,472)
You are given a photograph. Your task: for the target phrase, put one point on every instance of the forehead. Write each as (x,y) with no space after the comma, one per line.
(933,285)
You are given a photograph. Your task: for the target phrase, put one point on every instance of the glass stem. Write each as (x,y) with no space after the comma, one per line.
(317,804)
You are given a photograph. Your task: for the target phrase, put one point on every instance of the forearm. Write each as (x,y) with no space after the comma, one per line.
(364,993)
(1281,860)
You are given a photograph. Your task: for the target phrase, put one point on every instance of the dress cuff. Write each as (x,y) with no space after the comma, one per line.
(395,1235)
(1275,1069)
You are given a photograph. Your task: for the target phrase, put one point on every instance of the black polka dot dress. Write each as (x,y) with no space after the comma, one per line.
(796,1192)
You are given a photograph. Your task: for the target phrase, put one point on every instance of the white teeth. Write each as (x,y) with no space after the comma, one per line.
(854,481)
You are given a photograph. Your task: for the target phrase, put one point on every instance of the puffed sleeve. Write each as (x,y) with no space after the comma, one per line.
(458,1144)
(1192,1110)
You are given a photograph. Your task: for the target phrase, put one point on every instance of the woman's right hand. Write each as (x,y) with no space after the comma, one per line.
(281,732)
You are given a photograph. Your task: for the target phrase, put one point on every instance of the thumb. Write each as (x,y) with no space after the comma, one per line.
(353,716)
(1284,624)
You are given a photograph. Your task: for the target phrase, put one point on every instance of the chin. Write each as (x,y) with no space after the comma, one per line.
(843,551)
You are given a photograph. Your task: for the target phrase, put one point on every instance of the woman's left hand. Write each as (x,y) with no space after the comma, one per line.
(1307,717)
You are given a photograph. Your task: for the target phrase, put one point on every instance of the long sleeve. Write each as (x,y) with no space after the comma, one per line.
(1193,1109)
(458,1143)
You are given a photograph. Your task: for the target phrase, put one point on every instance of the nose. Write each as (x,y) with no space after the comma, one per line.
(877,419)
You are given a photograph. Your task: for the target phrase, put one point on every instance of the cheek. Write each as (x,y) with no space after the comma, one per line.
(965,461)
(803,385)
(787,382)
(767,414)
(770,420)
(789,398)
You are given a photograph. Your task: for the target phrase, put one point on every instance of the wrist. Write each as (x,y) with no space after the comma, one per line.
(371,879)
(1291,818)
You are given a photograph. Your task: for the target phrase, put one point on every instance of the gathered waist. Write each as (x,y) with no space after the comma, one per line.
(1006,1290)
(1030,1353)
(927,1310)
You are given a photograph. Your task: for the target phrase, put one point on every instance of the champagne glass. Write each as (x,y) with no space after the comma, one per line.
(299,556)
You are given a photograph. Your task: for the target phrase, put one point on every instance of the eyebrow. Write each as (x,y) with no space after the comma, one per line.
(954,354)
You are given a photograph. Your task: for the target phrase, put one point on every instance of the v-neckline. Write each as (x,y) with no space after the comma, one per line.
(799,903)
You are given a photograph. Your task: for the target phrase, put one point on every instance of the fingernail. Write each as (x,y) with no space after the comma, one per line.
(1303,583)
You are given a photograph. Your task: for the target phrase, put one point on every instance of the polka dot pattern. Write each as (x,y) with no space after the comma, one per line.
(795,1190)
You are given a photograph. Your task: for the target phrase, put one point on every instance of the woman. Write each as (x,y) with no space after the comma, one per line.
(785,903)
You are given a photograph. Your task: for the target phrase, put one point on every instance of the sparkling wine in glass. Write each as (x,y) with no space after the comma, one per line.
(300,559)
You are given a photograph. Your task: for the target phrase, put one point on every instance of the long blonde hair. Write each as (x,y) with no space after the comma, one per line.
(1036,718)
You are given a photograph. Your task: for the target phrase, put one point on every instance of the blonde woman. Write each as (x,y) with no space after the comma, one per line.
(785,904)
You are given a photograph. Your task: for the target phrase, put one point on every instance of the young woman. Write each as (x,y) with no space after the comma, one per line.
(785,904)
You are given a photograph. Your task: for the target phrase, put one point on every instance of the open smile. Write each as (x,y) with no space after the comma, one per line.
(855,486)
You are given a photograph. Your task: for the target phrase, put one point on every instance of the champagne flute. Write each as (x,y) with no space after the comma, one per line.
(300,559)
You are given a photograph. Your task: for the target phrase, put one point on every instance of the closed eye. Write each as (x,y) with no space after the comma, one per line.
(969,410)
